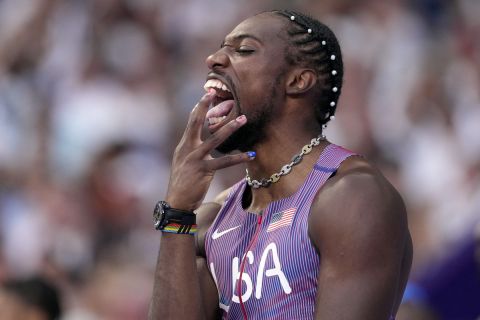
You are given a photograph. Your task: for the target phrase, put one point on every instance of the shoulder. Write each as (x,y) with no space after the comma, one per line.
(358,178)
(358,225)
(357,204)
(206,214)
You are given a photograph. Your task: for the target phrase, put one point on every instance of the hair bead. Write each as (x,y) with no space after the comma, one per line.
(328,56)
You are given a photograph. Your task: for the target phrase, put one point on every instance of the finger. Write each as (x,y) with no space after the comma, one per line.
(221,135)
(230,160)
(198,114)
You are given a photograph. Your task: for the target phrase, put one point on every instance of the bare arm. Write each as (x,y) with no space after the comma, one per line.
(177,287)
(165,272)
(362,238)
(205,216)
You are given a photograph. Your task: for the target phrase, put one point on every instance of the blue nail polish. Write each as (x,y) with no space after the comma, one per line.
(251,154)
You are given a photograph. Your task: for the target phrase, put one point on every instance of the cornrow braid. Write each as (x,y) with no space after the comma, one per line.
(314,45)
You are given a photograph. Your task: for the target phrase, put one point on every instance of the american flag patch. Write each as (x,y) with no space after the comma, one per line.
(281,219)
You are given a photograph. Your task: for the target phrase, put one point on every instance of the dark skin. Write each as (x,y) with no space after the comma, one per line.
(357,221)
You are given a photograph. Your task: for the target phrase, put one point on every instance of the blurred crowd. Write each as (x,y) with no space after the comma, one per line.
(94,96)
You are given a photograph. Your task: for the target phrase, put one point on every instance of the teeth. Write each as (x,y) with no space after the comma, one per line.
(215,120)
(215,83)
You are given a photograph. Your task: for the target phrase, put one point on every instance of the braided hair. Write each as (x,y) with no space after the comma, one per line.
(312,44)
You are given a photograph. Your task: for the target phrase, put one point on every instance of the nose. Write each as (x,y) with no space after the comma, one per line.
(217,60)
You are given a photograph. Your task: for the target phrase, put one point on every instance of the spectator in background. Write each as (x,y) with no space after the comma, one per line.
(29,299)
(77,76)
(415,305)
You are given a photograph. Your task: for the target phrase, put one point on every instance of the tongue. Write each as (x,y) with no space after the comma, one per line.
(220,109)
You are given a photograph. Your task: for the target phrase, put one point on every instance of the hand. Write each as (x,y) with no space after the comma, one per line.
(192,166)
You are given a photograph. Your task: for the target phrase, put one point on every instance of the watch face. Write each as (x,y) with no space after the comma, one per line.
(158,215)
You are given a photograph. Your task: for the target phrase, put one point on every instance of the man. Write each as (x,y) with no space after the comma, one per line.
(321,235)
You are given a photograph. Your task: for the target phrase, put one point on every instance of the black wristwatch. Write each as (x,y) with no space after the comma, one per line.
(164,215)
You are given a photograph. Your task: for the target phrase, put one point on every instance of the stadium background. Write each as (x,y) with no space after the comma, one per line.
(94,96)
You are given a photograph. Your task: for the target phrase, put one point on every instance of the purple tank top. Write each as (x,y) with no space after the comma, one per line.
(265,266)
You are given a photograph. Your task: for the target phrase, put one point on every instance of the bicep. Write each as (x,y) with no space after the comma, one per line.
(205,216)
(360,241)
(208,290)
(359,291)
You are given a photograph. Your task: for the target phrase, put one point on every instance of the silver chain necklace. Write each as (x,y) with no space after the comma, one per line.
(255,184)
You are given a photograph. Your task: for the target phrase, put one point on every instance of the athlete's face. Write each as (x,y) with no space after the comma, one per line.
(248,72)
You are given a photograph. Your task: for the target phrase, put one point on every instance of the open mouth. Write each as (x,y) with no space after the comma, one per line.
(222,104)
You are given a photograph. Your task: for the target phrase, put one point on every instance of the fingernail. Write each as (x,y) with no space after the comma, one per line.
(211,91)
(241,119)
(251,154)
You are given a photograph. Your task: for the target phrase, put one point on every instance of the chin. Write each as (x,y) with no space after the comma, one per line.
(244,139)
(253,132)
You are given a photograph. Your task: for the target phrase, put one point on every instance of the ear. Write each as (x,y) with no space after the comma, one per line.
(300,81)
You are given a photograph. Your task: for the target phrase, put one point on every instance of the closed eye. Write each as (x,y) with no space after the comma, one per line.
(244,52)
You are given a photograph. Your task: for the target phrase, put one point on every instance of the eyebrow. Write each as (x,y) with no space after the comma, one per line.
(240,37)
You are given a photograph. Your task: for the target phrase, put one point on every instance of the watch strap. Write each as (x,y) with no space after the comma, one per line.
(172,220)
(182,229)
(183,217)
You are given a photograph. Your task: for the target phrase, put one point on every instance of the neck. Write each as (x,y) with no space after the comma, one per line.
(272,155)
